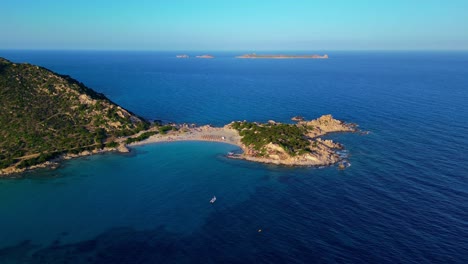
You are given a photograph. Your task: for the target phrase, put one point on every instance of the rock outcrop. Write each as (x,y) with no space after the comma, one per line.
(318,152)
(326,124)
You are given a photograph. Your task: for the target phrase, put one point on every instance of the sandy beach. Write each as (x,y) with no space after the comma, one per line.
(203,133)
(324,153)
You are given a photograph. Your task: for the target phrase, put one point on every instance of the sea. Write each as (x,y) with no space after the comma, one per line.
(404,199)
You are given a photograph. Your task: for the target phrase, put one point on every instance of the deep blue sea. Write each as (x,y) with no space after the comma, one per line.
(403,200)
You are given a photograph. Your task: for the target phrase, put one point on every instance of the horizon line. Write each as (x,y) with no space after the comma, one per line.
(235,50)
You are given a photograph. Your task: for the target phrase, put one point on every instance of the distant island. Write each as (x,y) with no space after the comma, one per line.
(204,57)
(46,117)
(257,56)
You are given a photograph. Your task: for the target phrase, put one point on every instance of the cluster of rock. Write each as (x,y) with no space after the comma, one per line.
(326,124)
(15,170)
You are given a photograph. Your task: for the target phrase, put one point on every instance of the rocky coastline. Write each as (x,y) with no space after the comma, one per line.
(55,163)
(63,119)
(323,151)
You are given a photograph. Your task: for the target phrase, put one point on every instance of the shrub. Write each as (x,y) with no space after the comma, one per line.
(112,144)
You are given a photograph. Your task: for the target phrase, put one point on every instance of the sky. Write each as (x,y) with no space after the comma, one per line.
(234,25)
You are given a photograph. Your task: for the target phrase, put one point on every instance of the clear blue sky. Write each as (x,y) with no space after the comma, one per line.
(234,24)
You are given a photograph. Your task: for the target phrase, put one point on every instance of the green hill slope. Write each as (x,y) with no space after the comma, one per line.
(43,114)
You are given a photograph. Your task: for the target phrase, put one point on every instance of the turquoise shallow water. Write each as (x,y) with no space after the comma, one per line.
(145,189)
(403,200)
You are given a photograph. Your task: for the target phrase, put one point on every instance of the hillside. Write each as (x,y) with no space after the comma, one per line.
(44,114)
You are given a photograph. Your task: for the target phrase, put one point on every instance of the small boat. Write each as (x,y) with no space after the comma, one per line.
(213,199)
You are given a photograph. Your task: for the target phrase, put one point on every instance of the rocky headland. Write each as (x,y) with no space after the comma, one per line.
(45,115)
(298,144)
(291,144)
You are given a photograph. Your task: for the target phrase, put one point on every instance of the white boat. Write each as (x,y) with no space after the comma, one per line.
(213,199)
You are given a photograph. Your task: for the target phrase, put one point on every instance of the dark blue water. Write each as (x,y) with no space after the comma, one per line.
(403,200)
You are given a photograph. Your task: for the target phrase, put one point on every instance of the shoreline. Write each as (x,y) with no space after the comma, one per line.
(215,134)
(325,155)
(203,134)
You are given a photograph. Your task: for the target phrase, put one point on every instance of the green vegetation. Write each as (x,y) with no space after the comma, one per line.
(164,129)
(40,159)
(290,137)
(112,144)
(44,114)
(141,137)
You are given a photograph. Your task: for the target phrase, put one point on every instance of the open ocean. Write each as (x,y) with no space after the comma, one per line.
(403,200)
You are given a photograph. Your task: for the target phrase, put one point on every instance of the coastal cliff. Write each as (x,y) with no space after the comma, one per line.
(44,115)
(291,144)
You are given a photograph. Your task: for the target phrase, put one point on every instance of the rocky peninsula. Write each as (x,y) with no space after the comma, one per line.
(46,117)
(297,144)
